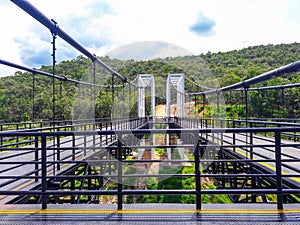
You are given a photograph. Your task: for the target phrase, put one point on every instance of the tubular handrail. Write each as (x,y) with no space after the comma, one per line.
(70,155)
(45,160)
(245,84)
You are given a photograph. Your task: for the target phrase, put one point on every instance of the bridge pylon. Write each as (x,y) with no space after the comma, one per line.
(144,81)
(177,81)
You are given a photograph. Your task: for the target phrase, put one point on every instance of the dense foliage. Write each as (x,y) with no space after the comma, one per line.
(19,102)
(177,183)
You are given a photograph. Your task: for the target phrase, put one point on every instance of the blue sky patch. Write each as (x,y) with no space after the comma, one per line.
(203,26)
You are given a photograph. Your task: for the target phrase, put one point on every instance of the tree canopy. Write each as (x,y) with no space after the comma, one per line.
(28,97)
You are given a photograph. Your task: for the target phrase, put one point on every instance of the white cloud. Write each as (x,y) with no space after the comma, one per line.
(82,21)
(33,51)
(156,20)
(101,26)
(244,23)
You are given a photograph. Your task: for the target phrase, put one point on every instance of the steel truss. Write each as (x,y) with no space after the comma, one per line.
(246,176)
(144,81)
(81,177)
(177,81)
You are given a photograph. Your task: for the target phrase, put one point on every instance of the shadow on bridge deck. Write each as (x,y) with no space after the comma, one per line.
(144,214)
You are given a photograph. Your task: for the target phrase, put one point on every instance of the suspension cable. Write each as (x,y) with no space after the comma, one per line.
(51,25)
(199,85)
(33,96)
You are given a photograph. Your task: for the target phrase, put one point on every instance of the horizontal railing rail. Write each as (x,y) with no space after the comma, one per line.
(97,124)
(240,123)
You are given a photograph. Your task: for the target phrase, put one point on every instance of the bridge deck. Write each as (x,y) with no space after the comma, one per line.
(291,151)
(150,214)
(239,140)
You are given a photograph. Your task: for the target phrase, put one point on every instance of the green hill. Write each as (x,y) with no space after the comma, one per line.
(19,102)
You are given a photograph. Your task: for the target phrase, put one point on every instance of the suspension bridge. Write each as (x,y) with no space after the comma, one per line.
(103,169)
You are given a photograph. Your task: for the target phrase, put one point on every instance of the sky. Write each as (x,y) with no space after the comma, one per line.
(120,28)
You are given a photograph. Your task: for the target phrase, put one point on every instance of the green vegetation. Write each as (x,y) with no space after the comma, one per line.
(180,183)
(19,102)
(160,151)
(160,126)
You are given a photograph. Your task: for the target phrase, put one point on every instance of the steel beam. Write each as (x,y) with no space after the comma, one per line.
(53,27)
(290,68)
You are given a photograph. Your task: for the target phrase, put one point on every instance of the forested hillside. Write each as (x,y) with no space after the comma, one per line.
(20,103)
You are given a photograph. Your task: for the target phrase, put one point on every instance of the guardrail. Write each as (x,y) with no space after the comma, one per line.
(241,123)
(57,126)
(196,148)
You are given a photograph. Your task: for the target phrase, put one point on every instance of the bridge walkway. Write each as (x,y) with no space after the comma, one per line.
(192,191)
(149,214)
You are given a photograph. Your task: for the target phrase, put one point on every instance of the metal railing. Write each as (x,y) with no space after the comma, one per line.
(65,125)
(44,156)
(242,123)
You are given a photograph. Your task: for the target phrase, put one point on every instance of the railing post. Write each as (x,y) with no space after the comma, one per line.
(100,127)
(233,136)
(206,126)
(111,128)
(251,141)
(1,139)
(106,136)
(58,153)
(94,136)
(222,135)
(44,173)
(17,139)
(84,144)
(73,147)
(119,169)
(36,156)
(278,170)
(197,174)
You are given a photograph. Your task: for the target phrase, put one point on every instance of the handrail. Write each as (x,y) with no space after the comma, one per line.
(46,153)
(245,84)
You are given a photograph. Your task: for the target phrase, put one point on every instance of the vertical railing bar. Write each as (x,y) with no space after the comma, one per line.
(36,156)
(197,173)
(233,137)
(73,146)
(278,170)
(119,169)
(58,153)
(1,140)
(44,172)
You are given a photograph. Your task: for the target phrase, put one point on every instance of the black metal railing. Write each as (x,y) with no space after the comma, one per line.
(45,163)
(66,125)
